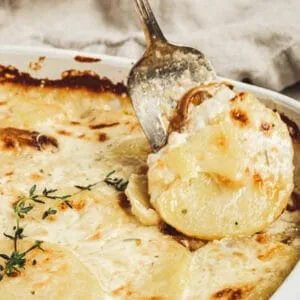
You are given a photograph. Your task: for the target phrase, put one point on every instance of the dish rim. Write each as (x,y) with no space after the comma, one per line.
(289,288)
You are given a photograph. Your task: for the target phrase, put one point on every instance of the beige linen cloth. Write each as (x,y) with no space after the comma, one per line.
(251,40)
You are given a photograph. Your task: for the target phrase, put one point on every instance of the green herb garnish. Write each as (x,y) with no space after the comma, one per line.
(68,203)
(119,184)
(85,188)
(48,212)
(32,196)
(49,194)
(16,261)
(21,209)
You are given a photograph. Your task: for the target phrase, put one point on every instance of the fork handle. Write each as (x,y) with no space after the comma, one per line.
(150,26)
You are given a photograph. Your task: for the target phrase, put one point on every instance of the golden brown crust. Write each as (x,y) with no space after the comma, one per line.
(124,203)
(233,293)
(239,97)
(75,123)
(240,116)
(64,132)
(265,126)
(69,79)
(13,139)
(262,238)
(195,96)
(9,173)
(37,65)
(102,137)
(86,59)
(123,290)
(103,125)
(295,202)
(257,179)
(78,204)
(190,243)
(267,255)
(292,127)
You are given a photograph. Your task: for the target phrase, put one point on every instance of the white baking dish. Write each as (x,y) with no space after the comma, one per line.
(116,68)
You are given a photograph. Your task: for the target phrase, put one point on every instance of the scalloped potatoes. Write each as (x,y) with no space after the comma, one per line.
(99,244)
(229,172)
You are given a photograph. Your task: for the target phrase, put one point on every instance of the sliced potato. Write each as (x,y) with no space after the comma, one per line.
(130,152)
(56,274)
(139,263)
(229,177)
(259,268)
(137,193)
(211,210)
(134,147)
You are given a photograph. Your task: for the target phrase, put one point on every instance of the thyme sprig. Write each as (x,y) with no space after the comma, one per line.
(21,208)
(26,204)
(49,194)
(16,261)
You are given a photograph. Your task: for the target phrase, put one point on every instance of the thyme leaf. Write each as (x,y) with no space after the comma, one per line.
(37,200)
(119,184)
(110,173)
(85,188)
(8,236)
(37,244)
(21,209)
(4,256)
(68,203)
(48,212)
(32,190)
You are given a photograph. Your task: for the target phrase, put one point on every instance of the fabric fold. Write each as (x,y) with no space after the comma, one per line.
(256,41)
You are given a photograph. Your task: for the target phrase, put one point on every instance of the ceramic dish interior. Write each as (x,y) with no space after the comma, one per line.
(116,69)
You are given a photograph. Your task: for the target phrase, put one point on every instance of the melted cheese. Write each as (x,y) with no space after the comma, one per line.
(104,251)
